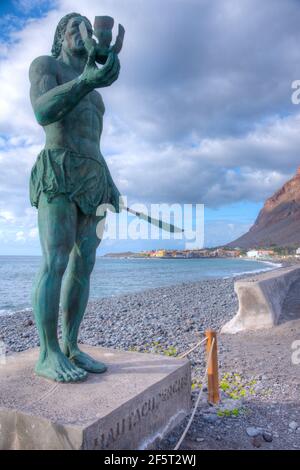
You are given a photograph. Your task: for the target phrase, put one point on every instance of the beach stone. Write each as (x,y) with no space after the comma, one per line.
(268,437)
(293,425)
(266,300)
(252,431)
(257,441)
(135,403)
(210,418)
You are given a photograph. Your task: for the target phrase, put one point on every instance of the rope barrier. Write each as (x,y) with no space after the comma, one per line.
(192,349)
(198,398)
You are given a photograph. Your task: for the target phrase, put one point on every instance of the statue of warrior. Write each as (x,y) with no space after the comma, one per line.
(69,180)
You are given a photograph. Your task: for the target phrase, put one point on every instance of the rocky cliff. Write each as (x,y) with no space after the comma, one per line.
(278,222)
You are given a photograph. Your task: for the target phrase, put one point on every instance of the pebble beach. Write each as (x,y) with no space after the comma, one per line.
(162,317)
(170,320)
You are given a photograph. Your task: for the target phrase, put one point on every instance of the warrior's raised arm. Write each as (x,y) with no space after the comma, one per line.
(51,101)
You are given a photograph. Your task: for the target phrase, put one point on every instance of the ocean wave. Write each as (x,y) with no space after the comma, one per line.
(7,312)
(255,271)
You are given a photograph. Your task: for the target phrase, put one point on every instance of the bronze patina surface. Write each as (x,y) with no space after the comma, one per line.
(69,180)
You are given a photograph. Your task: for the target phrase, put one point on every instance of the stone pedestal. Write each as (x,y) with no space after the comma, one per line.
(137,401)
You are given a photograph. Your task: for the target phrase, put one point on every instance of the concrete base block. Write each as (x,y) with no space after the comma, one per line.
(266,299)
(137,401)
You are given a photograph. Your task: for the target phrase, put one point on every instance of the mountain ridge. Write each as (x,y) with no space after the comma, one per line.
(278,222)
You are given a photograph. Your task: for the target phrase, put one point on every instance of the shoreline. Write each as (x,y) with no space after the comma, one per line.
(206,303)
(273,265)
(139,319)
(170,320)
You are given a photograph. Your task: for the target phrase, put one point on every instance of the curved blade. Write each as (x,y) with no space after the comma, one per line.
(157,222)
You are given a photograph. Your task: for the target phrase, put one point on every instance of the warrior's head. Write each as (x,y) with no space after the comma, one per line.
(67,35)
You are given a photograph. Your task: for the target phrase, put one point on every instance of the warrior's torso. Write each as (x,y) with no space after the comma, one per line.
(80,130)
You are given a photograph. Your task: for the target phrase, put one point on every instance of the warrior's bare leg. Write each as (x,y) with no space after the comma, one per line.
(76,288)
(57,228)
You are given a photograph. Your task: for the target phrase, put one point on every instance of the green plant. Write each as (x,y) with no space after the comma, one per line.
(228,413)
(235,386)
(171,351)
(196,384)
(159,349)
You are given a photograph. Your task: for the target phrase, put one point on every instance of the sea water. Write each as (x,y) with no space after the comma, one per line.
(113,276)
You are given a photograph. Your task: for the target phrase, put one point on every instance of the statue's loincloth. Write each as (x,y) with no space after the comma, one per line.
(84,180)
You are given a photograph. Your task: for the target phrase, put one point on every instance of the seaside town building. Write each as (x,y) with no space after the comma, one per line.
(260,253)
(203,253)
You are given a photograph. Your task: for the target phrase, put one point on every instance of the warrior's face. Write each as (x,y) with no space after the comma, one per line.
(72,41)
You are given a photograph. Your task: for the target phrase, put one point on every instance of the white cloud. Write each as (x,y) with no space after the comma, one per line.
(33,233)
(201,111)
(26,6)
(20,237)
(7,216)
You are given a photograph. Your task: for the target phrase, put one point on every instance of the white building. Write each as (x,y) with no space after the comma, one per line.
(252,254)
(260,253)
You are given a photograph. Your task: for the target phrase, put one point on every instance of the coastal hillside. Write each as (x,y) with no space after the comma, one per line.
(278,222)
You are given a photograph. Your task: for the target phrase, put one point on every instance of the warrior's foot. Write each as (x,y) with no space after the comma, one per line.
(56,366)
(86,362)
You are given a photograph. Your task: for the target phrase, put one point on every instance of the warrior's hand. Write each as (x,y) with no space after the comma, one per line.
(95,77)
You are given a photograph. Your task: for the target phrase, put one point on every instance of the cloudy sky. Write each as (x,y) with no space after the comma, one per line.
(201,112)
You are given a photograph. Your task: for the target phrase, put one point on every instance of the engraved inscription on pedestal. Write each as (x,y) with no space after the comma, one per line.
(140,414)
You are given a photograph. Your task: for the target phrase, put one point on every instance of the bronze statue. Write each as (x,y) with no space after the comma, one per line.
(69,180)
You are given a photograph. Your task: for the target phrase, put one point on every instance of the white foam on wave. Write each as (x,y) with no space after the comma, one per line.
(255,271)
(4,312)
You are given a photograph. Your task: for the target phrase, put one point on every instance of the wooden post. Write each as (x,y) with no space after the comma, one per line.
(212,369)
